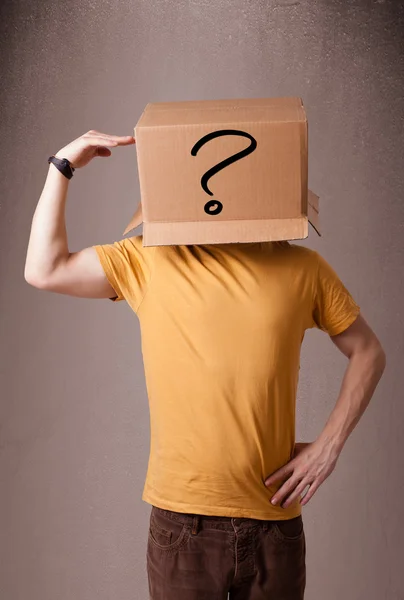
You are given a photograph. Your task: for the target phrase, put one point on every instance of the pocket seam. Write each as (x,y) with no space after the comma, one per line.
(181,540)
(159,528)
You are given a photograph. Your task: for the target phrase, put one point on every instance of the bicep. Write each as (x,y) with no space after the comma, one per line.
(357,337)
(81,275)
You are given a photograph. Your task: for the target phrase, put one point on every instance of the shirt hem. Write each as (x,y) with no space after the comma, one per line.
(219,511)
(345,323)
(102,257)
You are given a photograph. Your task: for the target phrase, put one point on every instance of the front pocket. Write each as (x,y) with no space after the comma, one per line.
(165,533)
(290,529)
(161,536)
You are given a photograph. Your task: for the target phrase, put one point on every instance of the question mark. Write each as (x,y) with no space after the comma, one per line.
(209,206)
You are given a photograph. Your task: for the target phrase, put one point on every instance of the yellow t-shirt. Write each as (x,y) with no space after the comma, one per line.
(221,329)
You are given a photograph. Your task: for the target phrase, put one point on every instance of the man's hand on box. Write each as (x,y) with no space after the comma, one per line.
(93,143)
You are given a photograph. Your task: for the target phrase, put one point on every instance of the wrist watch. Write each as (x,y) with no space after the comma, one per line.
(63,165)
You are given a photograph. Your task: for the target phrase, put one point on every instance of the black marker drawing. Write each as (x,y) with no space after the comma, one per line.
(214,207)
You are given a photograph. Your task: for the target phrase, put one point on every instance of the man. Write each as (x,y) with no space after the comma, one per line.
(222,326)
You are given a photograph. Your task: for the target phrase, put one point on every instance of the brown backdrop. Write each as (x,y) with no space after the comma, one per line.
(74,424)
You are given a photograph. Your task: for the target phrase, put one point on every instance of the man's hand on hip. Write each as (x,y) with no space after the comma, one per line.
(312,463)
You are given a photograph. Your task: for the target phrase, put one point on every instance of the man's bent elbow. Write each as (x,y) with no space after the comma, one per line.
(382,358)
(35,280)
(379,356)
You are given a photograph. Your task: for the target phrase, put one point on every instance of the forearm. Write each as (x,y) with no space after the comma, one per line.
(48,239)
(361,377)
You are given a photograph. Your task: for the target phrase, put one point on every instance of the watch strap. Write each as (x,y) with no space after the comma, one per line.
(63,165)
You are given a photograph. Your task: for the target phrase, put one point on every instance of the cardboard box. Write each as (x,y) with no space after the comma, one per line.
(221,171)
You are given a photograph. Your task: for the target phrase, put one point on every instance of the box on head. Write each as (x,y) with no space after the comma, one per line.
(224,171)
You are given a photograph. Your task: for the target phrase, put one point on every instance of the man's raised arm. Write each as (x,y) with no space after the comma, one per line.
(49,264)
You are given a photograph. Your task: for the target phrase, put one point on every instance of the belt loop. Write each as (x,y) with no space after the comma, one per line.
(195,524)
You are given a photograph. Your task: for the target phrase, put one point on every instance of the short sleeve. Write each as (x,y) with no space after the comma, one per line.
(127,265)
(334,308)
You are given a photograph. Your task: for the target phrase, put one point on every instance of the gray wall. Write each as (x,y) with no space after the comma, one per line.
(74,423)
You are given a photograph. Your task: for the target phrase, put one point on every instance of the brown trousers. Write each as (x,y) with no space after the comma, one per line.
(196,557)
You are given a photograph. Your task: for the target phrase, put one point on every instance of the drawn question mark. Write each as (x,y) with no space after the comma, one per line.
(214,207)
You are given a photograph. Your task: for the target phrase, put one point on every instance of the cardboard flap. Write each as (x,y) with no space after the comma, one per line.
(313,211)
(136,220)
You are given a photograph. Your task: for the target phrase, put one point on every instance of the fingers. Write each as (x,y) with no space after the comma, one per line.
(98,138)
(280,474)
(294,495)
(100,141)
(312,489)
(285,490)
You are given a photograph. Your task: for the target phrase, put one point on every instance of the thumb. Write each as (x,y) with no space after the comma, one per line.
(102,151)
